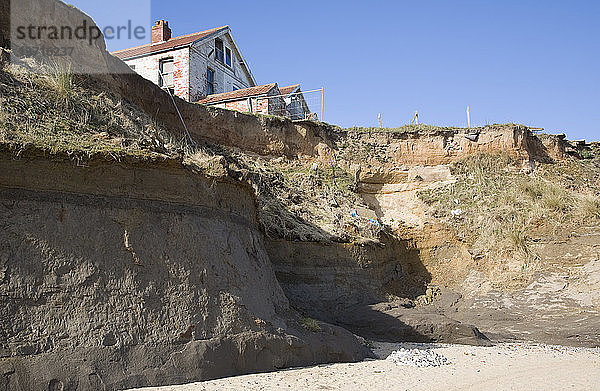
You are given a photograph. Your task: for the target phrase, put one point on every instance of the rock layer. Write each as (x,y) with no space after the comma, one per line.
(137,274)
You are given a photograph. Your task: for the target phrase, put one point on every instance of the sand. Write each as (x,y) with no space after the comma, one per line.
(502,367)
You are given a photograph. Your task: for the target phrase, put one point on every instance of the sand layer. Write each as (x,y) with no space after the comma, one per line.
(502,367)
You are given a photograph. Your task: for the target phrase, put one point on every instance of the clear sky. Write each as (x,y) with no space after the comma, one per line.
(531,62)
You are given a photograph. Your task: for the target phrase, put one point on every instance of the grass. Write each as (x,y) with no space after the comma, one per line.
(310,324)
(504,210)
(424,128)
(61,80)
(62,112)
(590,207)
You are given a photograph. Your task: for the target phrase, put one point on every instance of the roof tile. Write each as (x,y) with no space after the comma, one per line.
(288,89)
(239,94)
(172,43)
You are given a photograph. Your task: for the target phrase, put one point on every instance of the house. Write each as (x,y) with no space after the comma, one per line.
(191,66)
(265,99)
(207,67)
(295,103)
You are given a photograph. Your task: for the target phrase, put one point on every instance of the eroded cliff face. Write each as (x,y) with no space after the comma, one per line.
(139,273)
(432,146)
(325,280)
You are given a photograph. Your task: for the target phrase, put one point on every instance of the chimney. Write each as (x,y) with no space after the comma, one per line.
(161,31)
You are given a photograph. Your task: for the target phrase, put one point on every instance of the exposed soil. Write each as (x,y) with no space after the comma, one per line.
(135,274)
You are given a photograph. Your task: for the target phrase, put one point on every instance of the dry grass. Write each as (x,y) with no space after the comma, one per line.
(62,112)
(297,203)
(504,211)
(61,80)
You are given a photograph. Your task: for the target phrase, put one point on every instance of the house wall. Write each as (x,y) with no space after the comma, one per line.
(260,105)
(266,105)
(191,64)
(203,56)
(148,68)
(238,105)
(295,108)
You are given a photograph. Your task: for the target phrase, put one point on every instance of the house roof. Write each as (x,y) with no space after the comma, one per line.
(288,89)
(172,43)
(239,94)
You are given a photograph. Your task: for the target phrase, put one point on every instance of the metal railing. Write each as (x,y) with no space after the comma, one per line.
(304,105)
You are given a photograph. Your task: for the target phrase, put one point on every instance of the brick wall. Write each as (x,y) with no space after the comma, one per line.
(148,67)
(268,104)
(264,104)
(191,66)
(238,105)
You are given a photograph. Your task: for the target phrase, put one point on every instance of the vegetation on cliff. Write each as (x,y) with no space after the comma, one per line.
(62,112)
(501,211)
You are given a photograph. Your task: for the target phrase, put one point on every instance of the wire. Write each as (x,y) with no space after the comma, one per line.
(178,112)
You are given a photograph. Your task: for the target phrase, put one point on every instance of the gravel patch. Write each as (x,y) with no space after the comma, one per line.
(417,358)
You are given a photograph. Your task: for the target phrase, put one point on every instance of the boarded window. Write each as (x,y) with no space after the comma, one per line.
(210,81)
(219,50)
(166,72)
(228,56)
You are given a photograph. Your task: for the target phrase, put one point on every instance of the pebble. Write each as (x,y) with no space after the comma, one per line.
(417,358)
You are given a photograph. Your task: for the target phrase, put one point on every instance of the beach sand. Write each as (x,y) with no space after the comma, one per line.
(502,367)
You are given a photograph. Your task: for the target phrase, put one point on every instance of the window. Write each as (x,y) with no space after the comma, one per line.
(210,81)
(228,56)
(166,73)
(132,67)
(219,50)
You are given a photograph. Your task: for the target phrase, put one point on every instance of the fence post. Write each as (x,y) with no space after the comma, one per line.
(322,103)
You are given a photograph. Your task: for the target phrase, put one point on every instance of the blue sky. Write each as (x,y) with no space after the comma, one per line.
(531,62)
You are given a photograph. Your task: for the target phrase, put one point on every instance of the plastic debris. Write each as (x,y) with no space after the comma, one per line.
(456,212)
(375,223)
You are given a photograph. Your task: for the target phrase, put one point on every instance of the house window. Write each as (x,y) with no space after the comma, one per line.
(210,81)
(228,56)
(219,50)
(132,67)
(166,73)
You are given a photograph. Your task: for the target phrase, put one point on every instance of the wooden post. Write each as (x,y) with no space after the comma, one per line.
(468,118)
(379,118)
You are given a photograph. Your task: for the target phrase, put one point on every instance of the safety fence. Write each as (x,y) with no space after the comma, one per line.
(305,105)
(299,105)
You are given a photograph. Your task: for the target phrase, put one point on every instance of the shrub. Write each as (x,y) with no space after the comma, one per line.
(590,207)
(310,324)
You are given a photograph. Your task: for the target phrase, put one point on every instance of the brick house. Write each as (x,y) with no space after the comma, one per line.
(265,99)
(191,66)
(295,103)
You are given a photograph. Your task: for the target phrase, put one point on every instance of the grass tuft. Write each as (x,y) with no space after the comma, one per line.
(504,210)
(310,324)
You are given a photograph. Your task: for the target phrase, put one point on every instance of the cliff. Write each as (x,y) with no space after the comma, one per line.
(117,275)
(129,257)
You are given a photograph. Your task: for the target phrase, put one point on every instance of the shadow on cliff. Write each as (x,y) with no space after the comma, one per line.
(328,279)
